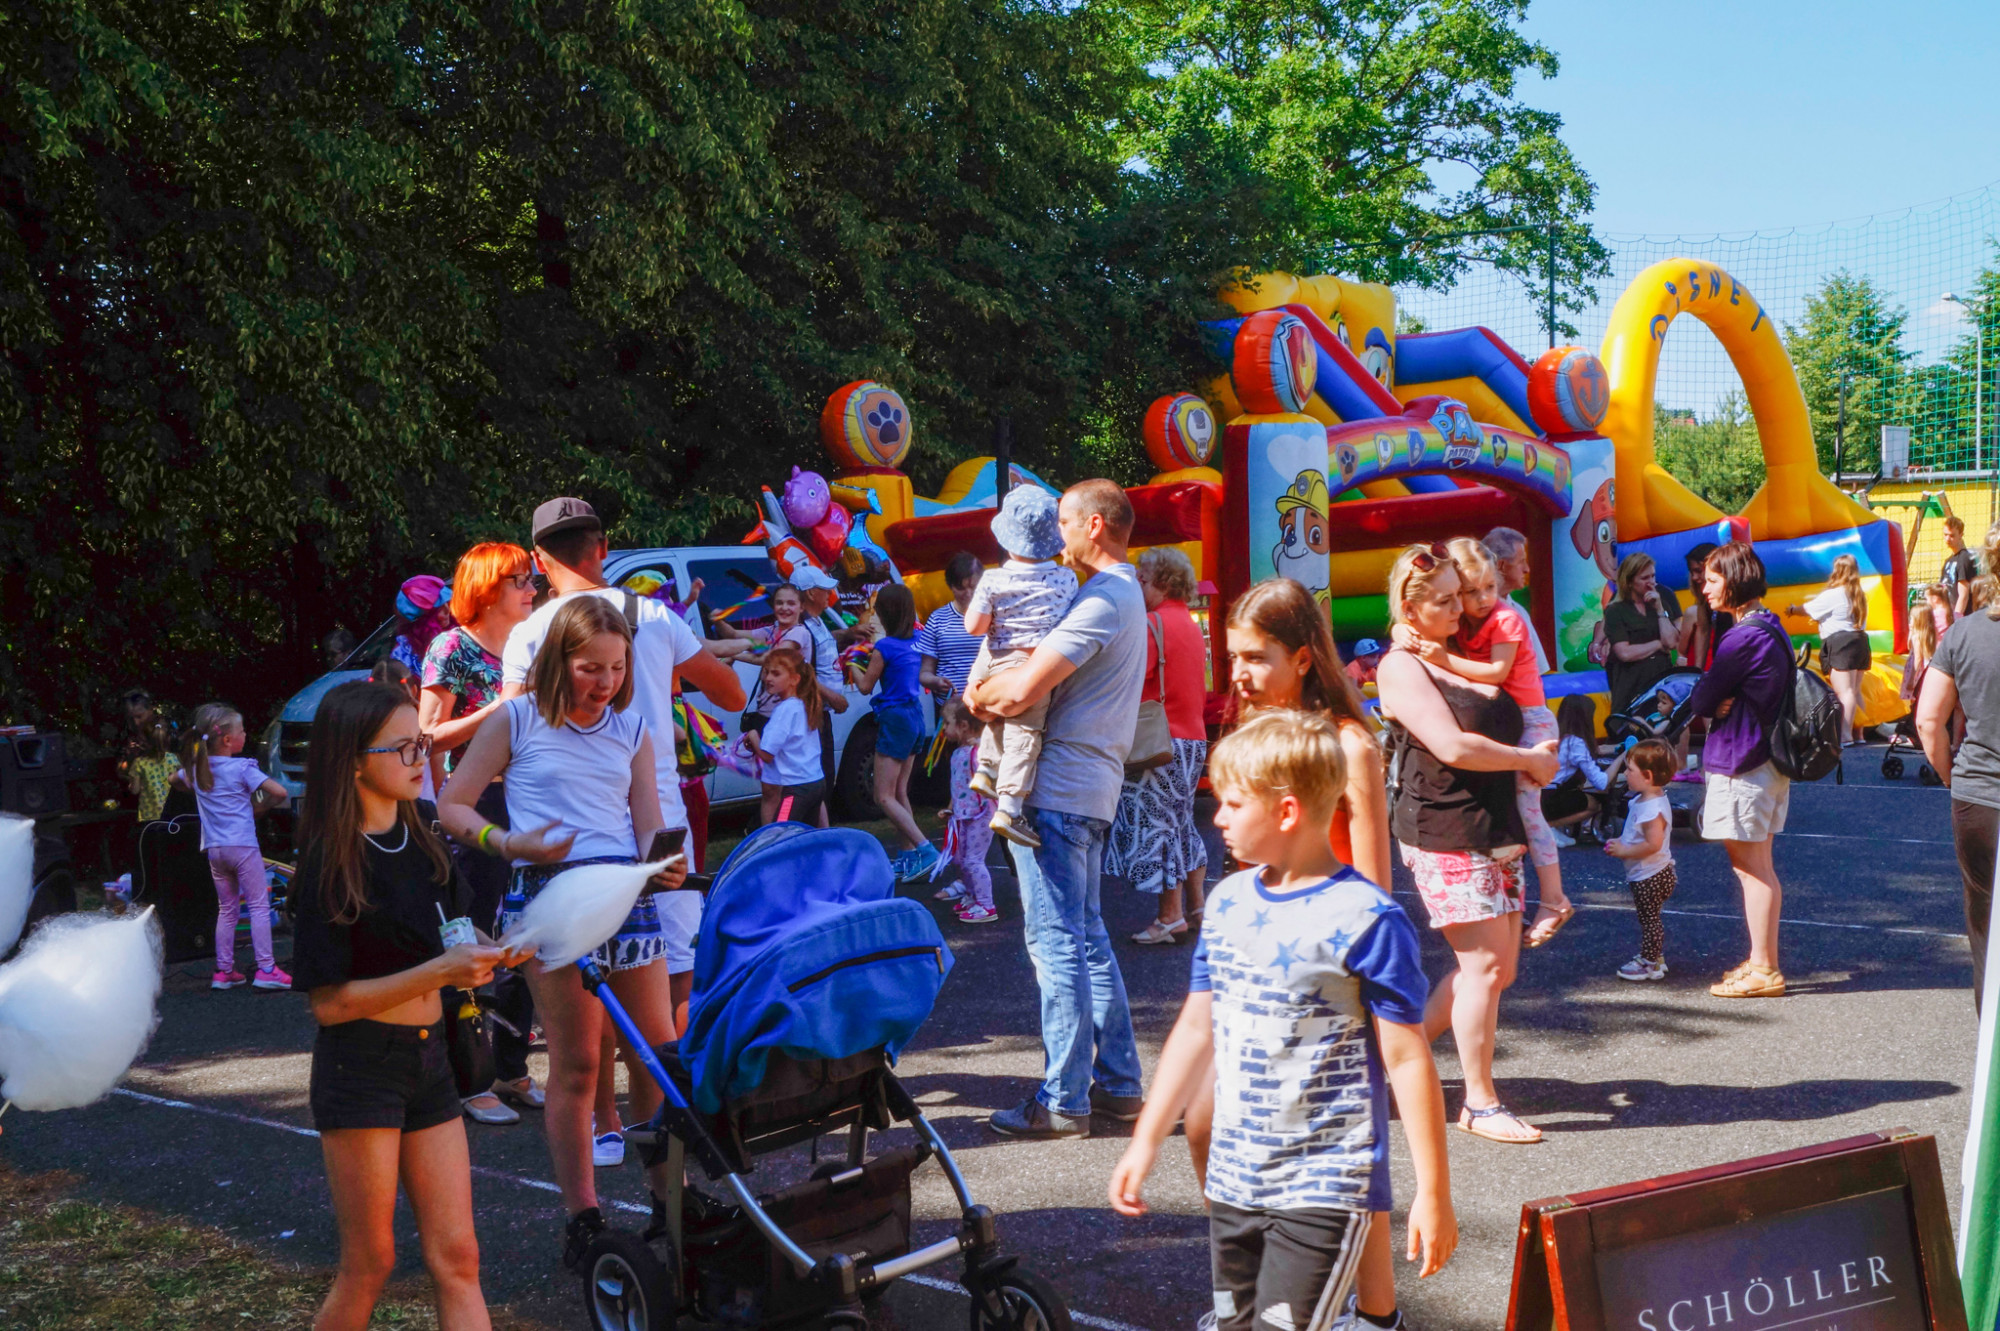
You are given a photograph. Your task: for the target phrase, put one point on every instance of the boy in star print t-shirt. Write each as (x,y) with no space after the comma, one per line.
(1306,1007)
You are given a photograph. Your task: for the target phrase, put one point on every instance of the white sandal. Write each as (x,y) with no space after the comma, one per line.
(1157,932)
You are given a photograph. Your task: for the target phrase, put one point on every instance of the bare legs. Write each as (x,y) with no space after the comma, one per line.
(892,793)
(1467,1001)
(362,1169)
(1763,897)
(1847,687)
(1182,900)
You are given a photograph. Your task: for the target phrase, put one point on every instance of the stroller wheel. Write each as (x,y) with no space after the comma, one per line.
(625,1286)
(1892,766)
(1926,775)
(1019,1301)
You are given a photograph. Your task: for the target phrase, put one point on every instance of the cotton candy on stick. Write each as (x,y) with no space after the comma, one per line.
(17,876)
(76,1008)
(578,911)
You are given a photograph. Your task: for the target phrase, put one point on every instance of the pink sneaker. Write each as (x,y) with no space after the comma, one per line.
(271,979)
(971,914)
(226,980)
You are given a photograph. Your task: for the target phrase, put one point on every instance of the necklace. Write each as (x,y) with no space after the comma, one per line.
(386,850)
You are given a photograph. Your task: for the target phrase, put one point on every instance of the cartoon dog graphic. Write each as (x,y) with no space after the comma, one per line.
(1301,552)
(1595,535)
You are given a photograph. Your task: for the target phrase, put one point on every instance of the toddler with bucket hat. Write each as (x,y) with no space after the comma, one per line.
(1015,607)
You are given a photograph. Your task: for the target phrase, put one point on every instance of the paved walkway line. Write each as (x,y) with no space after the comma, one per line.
(542,1185)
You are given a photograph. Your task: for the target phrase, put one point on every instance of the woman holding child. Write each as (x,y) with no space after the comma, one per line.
(1458,822)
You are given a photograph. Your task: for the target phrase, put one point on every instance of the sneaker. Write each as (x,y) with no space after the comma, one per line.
(1031,1118)
(1563,839)
(581,1231)
(918,863)
(1017,832)
(226,980)
(607,1150)
(1123,1108)
(982,784)
(1638,968)
(975,914)
(1207,1322)
(271,979)
(950,892)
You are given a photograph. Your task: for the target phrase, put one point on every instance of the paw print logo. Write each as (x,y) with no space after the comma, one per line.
(887,420)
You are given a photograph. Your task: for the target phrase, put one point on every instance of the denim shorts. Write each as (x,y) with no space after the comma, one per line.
(900,729)
(638,942)
(369,1074)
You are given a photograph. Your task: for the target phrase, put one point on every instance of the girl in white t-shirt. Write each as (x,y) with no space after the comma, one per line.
(1841,613)
(788,746)
(1645,846)
(580,783)
(229,792)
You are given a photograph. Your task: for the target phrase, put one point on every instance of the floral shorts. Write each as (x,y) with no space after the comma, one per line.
(1463,886)
(638,941)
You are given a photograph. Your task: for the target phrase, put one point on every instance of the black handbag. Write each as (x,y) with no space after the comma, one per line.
(468,1036)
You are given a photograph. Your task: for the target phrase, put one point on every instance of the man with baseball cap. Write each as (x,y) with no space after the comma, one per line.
(570,551)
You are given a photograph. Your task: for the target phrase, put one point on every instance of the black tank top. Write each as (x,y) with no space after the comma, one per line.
(1446,808)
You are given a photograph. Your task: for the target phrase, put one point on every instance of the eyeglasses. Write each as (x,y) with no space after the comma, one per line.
(520,582)
(1426,561)
(412,751)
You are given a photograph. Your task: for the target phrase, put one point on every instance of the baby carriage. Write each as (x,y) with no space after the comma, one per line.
(1904,740)
(810,974)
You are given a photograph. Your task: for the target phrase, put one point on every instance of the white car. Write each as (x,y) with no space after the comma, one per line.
(731,576)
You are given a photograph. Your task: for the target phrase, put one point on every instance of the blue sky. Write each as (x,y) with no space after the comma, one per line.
(1698,116)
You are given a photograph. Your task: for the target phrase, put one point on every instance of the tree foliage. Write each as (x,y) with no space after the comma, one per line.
(298,297)
(1851,332)
(1721,458)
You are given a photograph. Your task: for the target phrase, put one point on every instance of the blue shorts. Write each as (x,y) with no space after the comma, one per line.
(640,941)
(900,729)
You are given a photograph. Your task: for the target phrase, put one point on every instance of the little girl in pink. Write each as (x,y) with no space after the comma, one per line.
(1498,647)
(228,790)
(971,819)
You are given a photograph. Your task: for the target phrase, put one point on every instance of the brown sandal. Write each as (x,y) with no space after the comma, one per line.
(1749,981)
(1561,914)
(1473,1120)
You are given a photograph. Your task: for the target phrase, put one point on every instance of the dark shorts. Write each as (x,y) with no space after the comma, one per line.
(367,1074)
(800,804)
(1297,1266)
(1846,651)
(826,748)
(900,729)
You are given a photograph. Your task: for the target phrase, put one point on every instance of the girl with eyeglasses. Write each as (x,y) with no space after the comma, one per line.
(493,590)
(374,889)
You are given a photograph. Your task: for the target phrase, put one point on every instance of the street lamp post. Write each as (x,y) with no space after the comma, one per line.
(1976,307)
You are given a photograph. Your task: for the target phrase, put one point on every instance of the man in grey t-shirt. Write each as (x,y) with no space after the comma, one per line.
(1091,667)
(1965,672)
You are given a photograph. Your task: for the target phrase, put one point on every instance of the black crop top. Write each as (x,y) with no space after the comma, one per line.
(1443,808)
(397,930)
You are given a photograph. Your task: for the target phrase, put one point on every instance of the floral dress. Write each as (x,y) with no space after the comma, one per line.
(457,663)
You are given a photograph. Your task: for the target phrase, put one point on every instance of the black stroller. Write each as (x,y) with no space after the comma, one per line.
(810,974)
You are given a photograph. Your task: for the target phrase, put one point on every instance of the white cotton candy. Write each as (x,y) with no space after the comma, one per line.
(76,1007)
(579,910)
(17,876)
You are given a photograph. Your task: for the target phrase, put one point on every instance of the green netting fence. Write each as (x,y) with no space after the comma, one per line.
(1863,307)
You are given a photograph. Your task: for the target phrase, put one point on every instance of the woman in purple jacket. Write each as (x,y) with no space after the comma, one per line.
(1747,797)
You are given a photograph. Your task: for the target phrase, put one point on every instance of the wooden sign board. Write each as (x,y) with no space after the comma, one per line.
(1851,1235)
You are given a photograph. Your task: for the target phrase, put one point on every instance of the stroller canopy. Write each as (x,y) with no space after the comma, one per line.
(805,949)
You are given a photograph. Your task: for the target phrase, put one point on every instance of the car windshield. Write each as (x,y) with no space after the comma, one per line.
(374,648)
(734,589)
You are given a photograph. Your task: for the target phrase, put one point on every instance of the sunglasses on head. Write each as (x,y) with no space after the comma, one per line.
(1427,561)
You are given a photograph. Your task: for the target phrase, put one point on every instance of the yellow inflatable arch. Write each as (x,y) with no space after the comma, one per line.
(1795,499)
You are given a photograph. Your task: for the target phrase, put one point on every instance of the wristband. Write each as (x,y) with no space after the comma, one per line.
(484,832)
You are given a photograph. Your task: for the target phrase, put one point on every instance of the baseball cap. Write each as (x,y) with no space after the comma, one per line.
(564,514)
(1368,647)
(809,579)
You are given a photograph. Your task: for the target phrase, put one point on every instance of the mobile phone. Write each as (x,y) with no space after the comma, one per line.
(666,844)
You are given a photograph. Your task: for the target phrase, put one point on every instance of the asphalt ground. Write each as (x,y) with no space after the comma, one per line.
(1628,1081)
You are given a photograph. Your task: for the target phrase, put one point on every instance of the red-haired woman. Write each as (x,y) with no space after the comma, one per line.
(492,591)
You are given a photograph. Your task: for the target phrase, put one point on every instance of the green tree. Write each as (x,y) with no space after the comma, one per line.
(1370,133)
(1851,332)
(1720,459)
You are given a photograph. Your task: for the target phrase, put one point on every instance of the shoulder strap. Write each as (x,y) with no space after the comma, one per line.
(631,608)
(1156,628)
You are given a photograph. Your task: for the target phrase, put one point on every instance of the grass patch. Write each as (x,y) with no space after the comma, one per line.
(67,1264)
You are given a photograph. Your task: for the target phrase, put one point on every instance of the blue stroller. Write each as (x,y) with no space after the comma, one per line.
(810,975)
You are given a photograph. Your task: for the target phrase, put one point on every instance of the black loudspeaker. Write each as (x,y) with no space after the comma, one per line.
(34,778)
(173,878)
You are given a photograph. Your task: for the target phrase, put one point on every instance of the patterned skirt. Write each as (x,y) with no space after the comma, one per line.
(1154,841)
(638,941)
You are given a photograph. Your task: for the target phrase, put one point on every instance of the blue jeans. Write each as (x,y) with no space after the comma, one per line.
(1086,1018)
